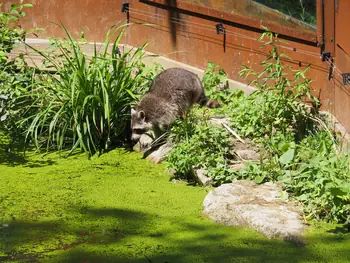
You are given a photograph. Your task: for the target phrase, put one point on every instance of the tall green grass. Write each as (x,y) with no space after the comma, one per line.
(86,101)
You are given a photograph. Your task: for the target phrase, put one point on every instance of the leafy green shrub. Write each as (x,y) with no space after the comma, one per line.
(201,146)
(213,77)
(15,75)
(184,129)
(14,83)
(86,102)
(321,181)
(296,152)
(312,172)
(10,32)
(276,105)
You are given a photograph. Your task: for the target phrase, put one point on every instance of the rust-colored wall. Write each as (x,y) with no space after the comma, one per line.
(95,17)
(185,32)
(342,61)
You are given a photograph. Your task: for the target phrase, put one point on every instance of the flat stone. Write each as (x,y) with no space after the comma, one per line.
(160,154)
(264,208)
(216,121)
(222,86)
(200,174)
(248,155)
(172,172)
(237,166)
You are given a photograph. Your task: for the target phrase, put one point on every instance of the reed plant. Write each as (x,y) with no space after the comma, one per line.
(85,101)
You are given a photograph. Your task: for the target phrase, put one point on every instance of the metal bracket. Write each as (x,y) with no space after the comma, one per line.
(220,30)
(346,78)
(326,56)
(125,9)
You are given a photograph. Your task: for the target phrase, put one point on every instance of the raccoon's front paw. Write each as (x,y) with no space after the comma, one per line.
(144,142)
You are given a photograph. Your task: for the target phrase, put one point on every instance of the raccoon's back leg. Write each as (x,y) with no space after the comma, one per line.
(202,98)
(204,101)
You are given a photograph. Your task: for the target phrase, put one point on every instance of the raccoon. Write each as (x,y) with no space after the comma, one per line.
(172,94)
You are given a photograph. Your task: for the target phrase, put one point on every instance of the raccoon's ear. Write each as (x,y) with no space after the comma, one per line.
(142,115)
(133,111)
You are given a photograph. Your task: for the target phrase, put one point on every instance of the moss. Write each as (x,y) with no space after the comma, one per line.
(121,208)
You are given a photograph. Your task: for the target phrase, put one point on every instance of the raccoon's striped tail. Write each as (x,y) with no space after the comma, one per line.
(204,101)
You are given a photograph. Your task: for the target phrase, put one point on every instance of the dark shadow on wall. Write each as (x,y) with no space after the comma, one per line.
(174,16)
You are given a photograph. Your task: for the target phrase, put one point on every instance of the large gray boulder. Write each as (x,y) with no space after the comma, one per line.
(264,208)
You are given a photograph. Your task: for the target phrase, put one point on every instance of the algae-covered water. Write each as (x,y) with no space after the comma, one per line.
(121,208)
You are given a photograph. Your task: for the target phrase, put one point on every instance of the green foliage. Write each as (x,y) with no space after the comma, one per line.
(202,146)
(276,105)
(184,129)
(320,179)
(297,152)
(85,103)
(15,75)
(213,77)
(14,83)
(10,32)
(314,174)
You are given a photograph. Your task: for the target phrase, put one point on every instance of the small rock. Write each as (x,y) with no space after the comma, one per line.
(200,174)
(160,154)
(249,155)
(237,166)
(172,171)
(178,181)
(264,208)
(219,121)
(222,86)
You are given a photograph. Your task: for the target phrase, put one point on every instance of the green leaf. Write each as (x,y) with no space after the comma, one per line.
(259,179)
(287,157)
(27,5)
(337,191)
(303,197)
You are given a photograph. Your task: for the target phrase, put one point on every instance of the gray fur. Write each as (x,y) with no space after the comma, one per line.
(172,94)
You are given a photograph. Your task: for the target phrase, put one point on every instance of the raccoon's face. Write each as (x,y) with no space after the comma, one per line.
(139,125)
